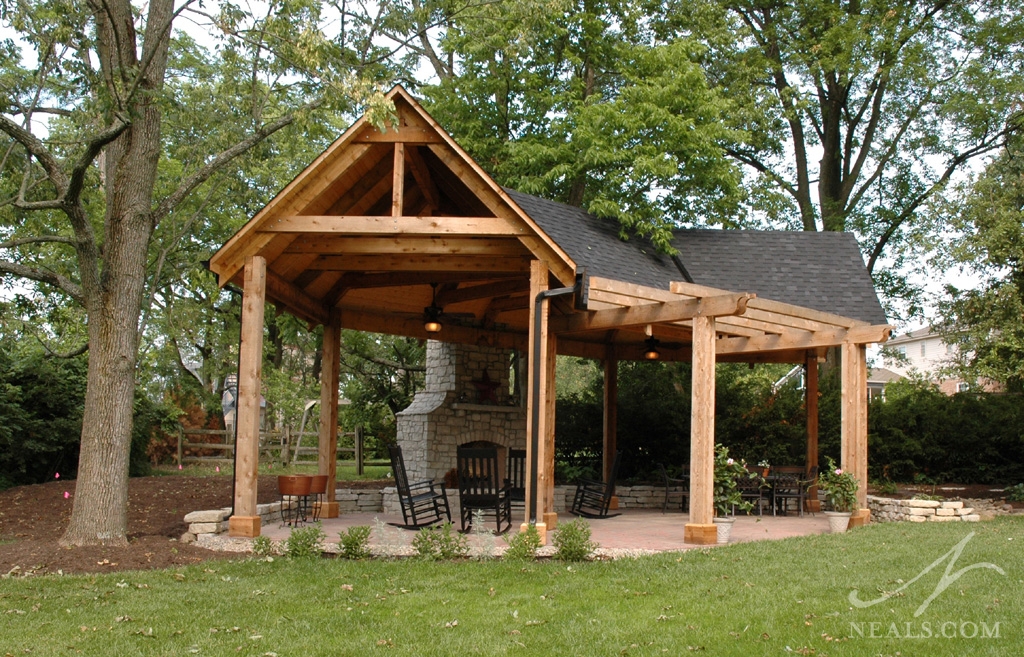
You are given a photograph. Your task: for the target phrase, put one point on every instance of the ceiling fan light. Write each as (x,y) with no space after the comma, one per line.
(432,319)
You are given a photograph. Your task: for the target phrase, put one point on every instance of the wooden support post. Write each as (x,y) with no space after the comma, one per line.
(549,514)
(358,440)
(245,521)
(327,461)
(398,181)
(538,283)
(611,407)
(811,406)
(854,424)
(701,529)
(181,440)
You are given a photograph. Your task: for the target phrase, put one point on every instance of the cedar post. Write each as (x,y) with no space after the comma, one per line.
(538,284)
(811,406)
(611,403)
(701,530)
(245,521)
(328,445)
(549,515)
(854,424)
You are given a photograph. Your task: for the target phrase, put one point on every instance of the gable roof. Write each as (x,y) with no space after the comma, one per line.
(822,271)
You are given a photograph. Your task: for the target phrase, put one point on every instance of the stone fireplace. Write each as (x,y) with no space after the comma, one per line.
(470,395)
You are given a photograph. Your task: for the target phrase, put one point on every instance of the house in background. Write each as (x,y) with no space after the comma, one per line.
(878,379)
(924,353)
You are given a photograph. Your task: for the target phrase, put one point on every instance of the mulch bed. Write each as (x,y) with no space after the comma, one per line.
(33,518)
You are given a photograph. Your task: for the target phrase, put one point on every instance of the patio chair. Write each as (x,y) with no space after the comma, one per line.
(422,502)
(481,486)
(788,483)
(516,476)
(593,498)
(670,482)
(752,489)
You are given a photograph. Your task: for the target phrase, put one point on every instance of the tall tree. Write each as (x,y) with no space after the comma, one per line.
(987,323)
(858,112)
(86,109)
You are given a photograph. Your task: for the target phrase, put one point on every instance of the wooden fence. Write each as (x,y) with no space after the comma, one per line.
(284,446)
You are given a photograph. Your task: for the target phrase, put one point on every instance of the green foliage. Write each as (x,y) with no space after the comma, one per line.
(355,542)
(840,488)
(886,488)
(1015,493)
(522,546)
(305,542)
(728,470)
(41,403)
(930,498)
(572,541)
(262,546)
(440,543)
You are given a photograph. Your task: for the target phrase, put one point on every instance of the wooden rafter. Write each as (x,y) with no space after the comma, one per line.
(398,181)
(424,180)
(332,244)
(406,226)
(652,313)
(423,263)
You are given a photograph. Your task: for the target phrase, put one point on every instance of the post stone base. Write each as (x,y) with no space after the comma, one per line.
(700,534)
(614,502)
(244,526)
(542,531)
(329,509)
(860,518)
(812,506)
(550,520)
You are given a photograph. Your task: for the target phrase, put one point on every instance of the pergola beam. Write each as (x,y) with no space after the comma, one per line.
(293,298)
(866,334)
(652,313)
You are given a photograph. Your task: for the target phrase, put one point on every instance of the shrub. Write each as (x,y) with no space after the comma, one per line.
(572,540)
(887,488)
(1015,493)
(305,542)
(523,546)
(440,543)
(355,542)
(262,546)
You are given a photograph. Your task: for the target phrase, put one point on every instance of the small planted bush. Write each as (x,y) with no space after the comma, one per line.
(1015,493)
(355,542)
(262,546)
(572,540)
(305,542)
(440,543)
(523,546)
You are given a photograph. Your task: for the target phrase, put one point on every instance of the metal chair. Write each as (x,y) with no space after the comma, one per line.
(422,502)
(482,487)
(593,498)
(752,488)
(788,483)
(680,482)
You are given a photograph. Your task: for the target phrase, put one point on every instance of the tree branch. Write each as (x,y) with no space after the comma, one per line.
(62,283)
(10,244)
(38,150)
(92,149)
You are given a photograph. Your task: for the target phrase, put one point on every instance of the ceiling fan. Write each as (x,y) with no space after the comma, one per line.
(432,314)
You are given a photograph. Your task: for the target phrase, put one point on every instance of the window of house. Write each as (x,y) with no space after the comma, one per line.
(962,387)
(902,350)
(922,350)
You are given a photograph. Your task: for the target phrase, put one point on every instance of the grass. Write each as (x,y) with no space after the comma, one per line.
(763,598)
(346,470)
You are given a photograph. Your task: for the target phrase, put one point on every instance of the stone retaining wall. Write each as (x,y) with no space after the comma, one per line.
(884,509)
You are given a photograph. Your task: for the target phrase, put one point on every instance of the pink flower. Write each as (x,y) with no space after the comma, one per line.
(67,495)
(839,471)
(179,466)
(56,475)
(218,468)
(729,462)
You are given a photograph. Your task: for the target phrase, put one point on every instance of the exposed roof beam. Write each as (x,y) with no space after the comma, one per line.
(412,326)
(864,334)
(779,307)
(405,134)
(651,313)
(293,298)
(421,174)
(363,225)
(484,291)
(344,245)
(422,263)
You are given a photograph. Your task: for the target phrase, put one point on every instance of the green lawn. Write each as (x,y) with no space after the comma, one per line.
(765,598)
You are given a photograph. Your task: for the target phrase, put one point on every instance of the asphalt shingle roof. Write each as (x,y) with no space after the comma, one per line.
(823,271)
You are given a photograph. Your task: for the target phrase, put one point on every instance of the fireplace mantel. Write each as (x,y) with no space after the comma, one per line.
(487,408)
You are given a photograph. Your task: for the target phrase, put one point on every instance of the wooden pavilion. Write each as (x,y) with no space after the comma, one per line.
(382,226)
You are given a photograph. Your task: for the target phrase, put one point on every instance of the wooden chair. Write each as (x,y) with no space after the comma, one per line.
(516,476)
(592,498)
(481,486)
(670,482)
(422,502)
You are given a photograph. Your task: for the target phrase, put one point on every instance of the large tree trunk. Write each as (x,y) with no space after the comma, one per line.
(114,297)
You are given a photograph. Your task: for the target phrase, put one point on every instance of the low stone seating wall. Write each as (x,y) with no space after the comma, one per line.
(884,509)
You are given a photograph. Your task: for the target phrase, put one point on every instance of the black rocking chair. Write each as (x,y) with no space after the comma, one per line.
(516,475)
(422,502)
(481,486)
(592,498)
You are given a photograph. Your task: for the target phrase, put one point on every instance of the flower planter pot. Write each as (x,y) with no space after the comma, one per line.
(297,485)
(724,526)
(838,521)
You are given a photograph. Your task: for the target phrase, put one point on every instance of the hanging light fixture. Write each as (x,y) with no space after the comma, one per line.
(432,313)
(651,348)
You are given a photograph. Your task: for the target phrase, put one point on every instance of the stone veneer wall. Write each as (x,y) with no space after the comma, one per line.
(448,412)
(884,509)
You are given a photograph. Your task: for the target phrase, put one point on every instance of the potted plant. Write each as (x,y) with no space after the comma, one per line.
(765,467)
(840,489)
(727,496)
